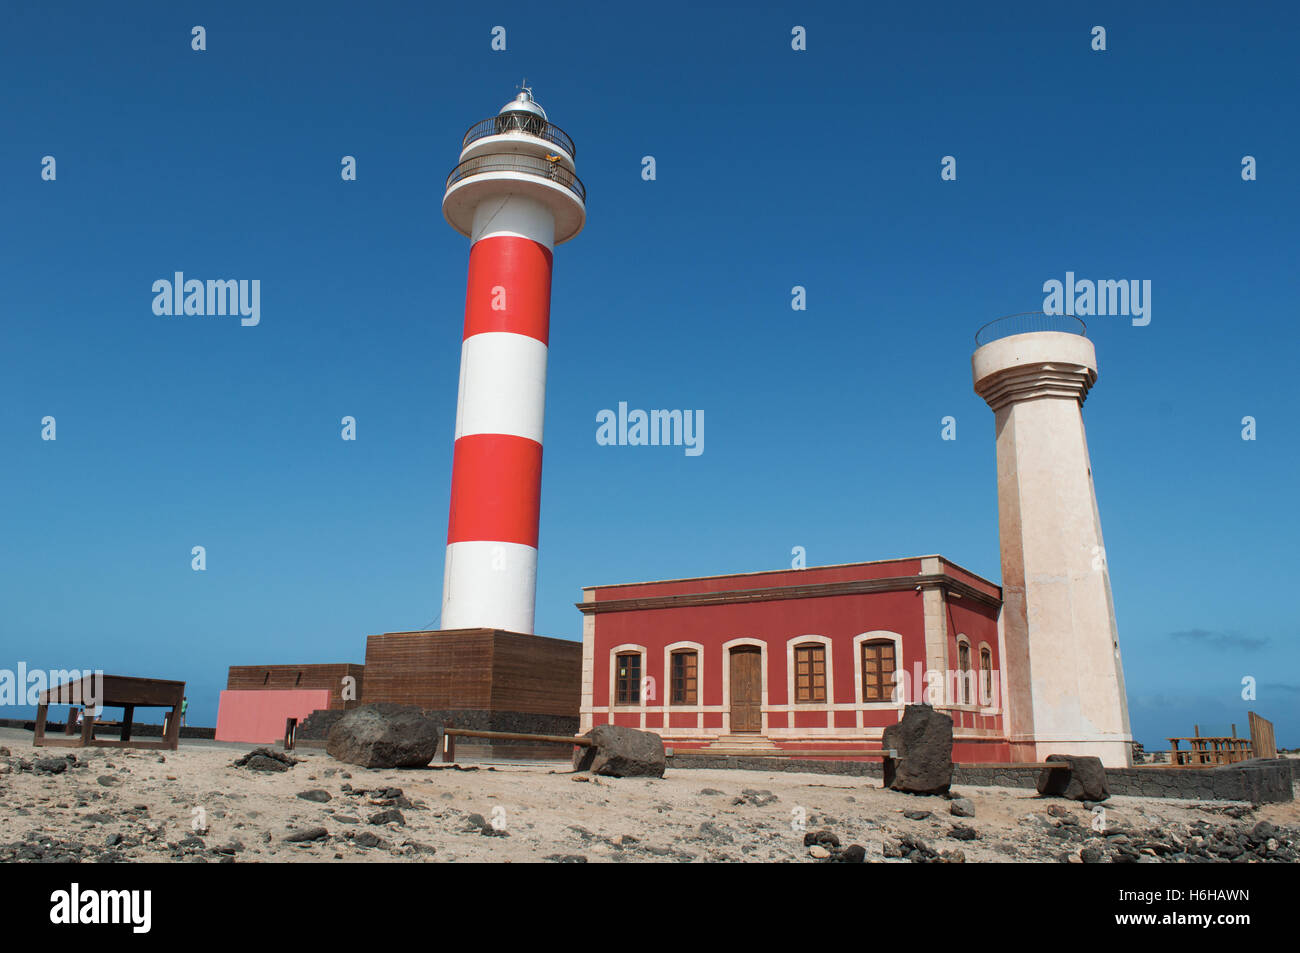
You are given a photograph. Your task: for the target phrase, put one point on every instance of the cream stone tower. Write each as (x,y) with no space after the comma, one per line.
(1061,655)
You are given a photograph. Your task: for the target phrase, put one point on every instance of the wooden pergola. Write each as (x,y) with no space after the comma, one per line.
(113,691)
(1211,750)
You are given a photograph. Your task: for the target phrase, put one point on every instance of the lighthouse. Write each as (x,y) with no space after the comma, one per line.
(1064,675)
(516,195)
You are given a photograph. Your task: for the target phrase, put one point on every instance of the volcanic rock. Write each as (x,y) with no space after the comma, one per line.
(265,759)
(962,807)
(385,735)
(621,752)
(923,741)
(1083,780)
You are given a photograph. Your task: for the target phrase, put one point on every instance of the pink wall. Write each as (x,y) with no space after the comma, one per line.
(258,716)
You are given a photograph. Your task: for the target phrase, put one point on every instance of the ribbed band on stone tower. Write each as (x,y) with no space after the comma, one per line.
(1031,381)
(1029,366)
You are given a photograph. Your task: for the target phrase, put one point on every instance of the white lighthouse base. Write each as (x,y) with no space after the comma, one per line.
(489,585)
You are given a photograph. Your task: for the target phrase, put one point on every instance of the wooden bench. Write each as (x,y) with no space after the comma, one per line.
(450,733)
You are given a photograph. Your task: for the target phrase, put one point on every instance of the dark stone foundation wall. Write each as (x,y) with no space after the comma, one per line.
(1257,781)
(861,769)
(314,731)
(315,728)
(55,728)
(1260,781)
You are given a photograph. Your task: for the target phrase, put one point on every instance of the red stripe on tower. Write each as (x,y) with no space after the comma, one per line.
(496,489)
(509,287)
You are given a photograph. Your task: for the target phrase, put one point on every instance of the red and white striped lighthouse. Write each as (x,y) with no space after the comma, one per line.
(516,195)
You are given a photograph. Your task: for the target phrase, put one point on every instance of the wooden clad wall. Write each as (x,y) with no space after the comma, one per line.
(1262,741)
(531,673)
(327,676)
(436,670)
(477,669)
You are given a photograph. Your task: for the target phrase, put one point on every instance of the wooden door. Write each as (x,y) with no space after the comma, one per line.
(746,688)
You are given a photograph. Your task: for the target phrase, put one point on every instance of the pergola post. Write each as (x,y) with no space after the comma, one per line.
(39,734)
(128,712)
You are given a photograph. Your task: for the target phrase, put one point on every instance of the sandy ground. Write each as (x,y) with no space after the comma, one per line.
(191,805)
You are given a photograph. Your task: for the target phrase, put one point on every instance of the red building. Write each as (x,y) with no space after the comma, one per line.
(807,660)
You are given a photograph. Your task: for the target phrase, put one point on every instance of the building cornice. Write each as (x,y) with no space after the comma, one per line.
(855,587)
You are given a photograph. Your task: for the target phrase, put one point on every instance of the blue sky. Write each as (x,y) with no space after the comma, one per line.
(775,168)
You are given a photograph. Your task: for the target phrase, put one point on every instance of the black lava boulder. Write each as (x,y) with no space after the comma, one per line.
(265,759)
(620,752)
(923,740)
(1083,778)
(385,735)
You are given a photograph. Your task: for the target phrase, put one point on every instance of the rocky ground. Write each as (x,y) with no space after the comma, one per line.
(219,804)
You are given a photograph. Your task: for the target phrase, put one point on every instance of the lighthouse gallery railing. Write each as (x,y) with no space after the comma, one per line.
(1027,322)
(510,162)
(525,123)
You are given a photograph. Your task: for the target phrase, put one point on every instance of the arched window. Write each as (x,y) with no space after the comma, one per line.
(810,673)
(627,678)
(878,667)
(684,677)
(964,672)
(986,676)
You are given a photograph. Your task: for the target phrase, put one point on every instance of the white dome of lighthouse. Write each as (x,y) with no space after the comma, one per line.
(523,103)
